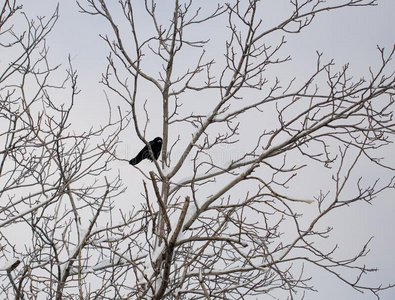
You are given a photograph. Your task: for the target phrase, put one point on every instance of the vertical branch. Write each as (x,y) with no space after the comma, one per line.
(168,82)
(170,251)
(163,209)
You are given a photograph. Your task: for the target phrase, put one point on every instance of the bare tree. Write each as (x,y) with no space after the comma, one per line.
(54,182)
(221,217)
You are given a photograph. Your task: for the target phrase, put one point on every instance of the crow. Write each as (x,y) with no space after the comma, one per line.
(156,146)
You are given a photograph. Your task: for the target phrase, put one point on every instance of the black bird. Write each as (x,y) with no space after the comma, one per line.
(156,146)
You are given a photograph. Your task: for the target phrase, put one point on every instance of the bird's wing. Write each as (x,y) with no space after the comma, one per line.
(156,150)
(139,157)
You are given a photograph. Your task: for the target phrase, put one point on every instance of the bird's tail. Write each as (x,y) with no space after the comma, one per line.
(133,162)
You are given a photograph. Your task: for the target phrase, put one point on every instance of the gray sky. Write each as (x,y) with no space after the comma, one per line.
(346,36)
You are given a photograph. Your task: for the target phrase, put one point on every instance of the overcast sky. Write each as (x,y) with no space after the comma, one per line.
(349,35)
